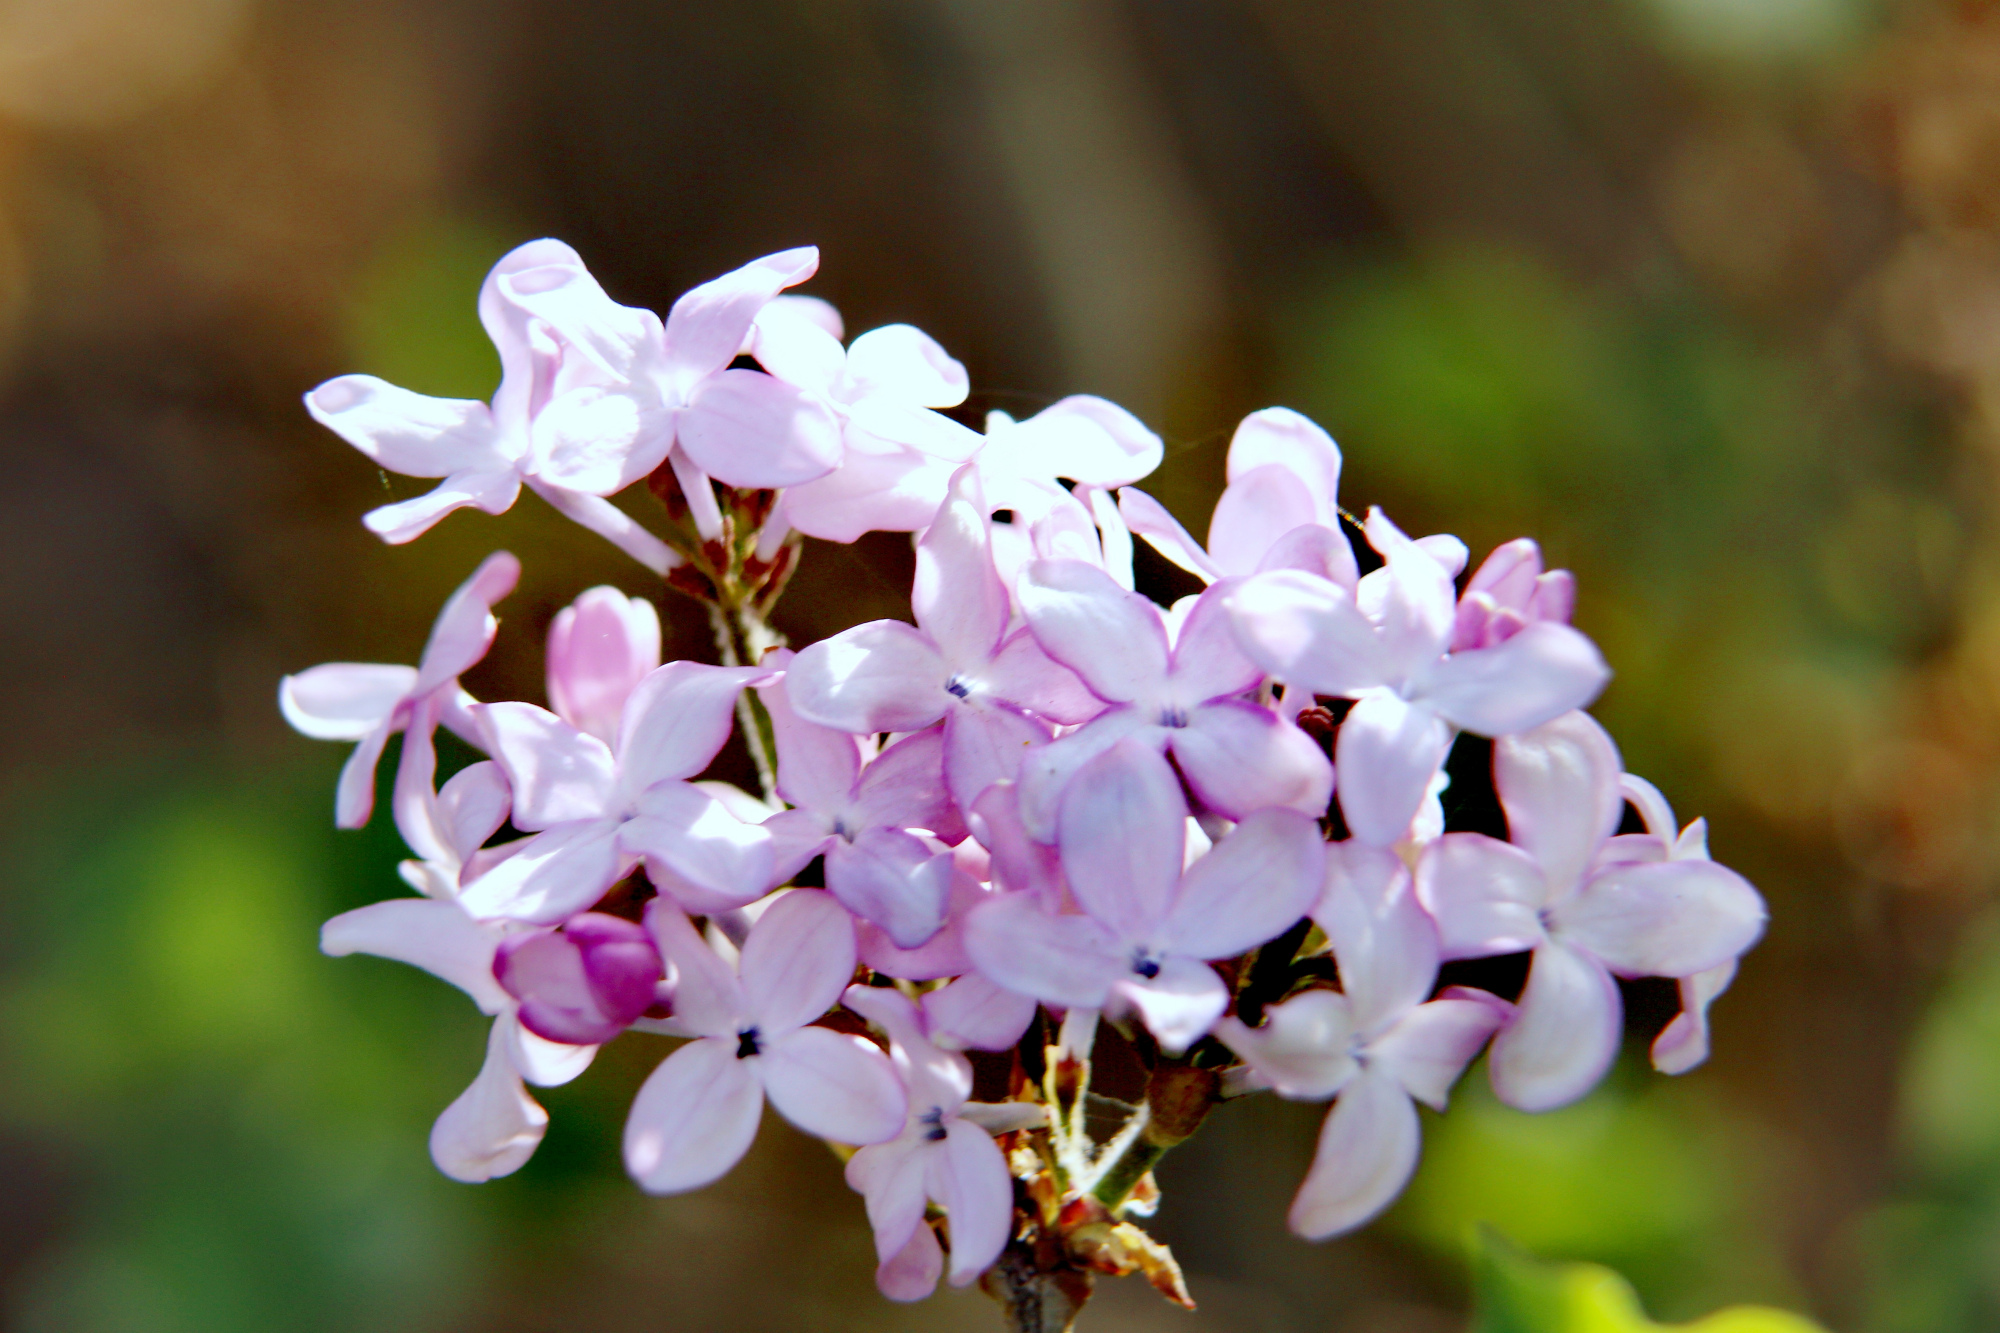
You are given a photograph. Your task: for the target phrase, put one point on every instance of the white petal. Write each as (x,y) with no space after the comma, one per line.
(343,701)
(494,1126)
(437,936)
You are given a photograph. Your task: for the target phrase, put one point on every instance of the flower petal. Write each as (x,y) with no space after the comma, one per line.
(693,1118)
(1307,631)
(1559,786)
(708,999)
(1383,940)
(343,701)
(817,765)
(1485,895)
(1045,772)
(676,719)
(1662,918)
(1542,672)
(881,676)
(558,872)
(437,936)
(494,1126)
(1150,519)
(556,772)
(1067,961)
(1260,505)
(745,428)
(1367,1152)
(1683,1044)
(707,325)
(1122,831)
(600,646)
(798,959)
(1111,638)
(976,1014)
(1430,1046)
(691,836)
(913,1273)
(1385,756)
(1250,888)
(1279,436)
(1305,1049)
(904,787)
(1178,1006)
(890,1179)
(893,879)
(408,432)
(833,1086)
(1564,1034)
(1239,757)
(354,794)
(978,1197)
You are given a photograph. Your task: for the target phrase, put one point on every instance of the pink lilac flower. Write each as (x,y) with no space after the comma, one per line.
(600,647)
(1185,696)
(1510,592)
(367,703)
(945,1154)
(861,817)
(1281,509)
(1149,920)
(494,1125)
(584,983)
(1094,444)
(1384,644)
(596,810)
(1376,1045)
(958,663)
(1683,1043)
(1591,906)
(696,1114)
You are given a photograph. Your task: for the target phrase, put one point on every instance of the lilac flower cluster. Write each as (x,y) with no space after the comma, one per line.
(1214,827)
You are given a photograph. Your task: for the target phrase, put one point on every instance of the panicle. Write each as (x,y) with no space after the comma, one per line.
(1042,814)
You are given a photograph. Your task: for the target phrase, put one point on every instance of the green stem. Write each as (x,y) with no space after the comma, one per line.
(742,639)
(1178,1098)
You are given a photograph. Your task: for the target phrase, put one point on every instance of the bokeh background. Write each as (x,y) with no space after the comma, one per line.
(1705,294)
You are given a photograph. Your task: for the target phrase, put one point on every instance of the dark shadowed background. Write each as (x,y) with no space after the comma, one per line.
(1704,294)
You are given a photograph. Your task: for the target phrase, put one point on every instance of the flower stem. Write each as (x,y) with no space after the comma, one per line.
(742,637)
(1178,1097)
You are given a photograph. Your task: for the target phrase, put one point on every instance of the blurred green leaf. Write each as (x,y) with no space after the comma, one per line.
(412,317)
(1514,1293)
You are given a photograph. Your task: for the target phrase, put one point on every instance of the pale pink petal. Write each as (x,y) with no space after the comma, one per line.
(1485,895)
(1539,673)
(881,676)
(893,879)
(913,1273)
(707,325)
(1386,754)
(1260,506)
(798,959)
(557,773)
(797,836)
(1654,811)
(958,599)
(1322,551)
(465,627)
(608,521)
(1026,677)
(600,646)
(1150,519)
(890,1179)
(1430,1046)
(890,492)
(437,936)
(905,363)
(676,719)
(544,1063)
(1067,961)
(512,328)
(1683,1044)
(1208,663)
(1091,440)
(1564,1034)
(693,1118)
(1559,787)
(978,1196)
(558,872)
(407,432)
(1305,1049)
(817,765)
(1450,553)
(1663,919)
(597,439)
(1367,1152)
(1239,757)
(581,985)
(904,787)
(1178,1004)
(494,1126)
(1250,888)
(1122,829)
(491,491)
(343,701)
(794,339)
(354,795)
(1307,631)
(622,340)
(707,997)
(1280,436)
(1019,863)
(943,954)
(833,1086)
(746,429)
(473,805)
(1111,638)
(693,836)
(977,1014)
(1116,538)
(1043,772)
(883,426)
(1383,940)
(1415,605)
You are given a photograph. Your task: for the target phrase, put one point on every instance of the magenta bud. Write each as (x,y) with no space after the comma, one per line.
(582,984)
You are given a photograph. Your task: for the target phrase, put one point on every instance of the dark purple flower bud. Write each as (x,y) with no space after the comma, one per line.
(582,984)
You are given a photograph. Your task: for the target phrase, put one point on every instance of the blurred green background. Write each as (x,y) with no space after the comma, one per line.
(1704,294)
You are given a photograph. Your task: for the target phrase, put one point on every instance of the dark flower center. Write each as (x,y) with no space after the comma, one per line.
(747,1044)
